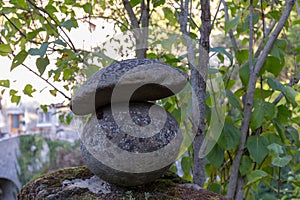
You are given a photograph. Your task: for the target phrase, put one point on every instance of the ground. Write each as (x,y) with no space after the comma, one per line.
(53,186)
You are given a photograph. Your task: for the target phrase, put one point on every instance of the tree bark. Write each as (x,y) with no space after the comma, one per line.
(198,81)
(205,30)
(139,27)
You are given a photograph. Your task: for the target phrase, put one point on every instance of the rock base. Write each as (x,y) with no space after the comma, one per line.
(81,183)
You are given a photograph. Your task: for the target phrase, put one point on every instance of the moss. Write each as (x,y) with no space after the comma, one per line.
(167,187)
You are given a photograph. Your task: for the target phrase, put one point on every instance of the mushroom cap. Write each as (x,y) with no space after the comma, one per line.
(128,80)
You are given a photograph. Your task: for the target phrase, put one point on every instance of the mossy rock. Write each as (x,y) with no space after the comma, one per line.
(81,183)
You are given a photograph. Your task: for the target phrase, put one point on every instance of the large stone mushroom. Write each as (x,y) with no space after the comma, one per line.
(129,141)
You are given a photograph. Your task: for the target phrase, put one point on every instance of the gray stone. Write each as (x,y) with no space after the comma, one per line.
(129,153)
(133,79)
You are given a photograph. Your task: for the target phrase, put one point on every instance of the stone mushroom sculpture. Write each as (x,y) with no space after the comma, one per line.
(129,140)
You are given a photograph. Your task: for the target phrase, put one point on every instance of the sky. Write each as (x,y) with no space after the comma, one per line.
(20,76)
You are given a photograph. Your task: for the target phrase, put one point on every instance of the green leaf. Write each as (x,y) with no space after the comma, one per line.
(158,2)
(230,137)
(242,56)
(244,26)
(88,8)
(256,176)
(275,148)
(186,164)
(275,85)
(216,156)
(215,187)
(281,161)
(257,147)
(90,70)
(5,83)
(246,165)
(134,3)
(244,73)
(69,118)
(71,23)
(13,92)
(53,92)
(288,92)
(167,43)
(295,135)
(222,50)
(278,49)
(34,51)
(50,8)
(5,49)
(262,94)
(28,90)
(18,59)
(43,48)
(41,64)
(283,114)
(51,30)
(290,95)
(273,65)
(270,110)
(19,3)
(70,2)
(169,15)
(67,74)
(257,117)
(44,108)
(14,98)
(231,24)
(60,42)
(280,129)
(33,34)
(234,100)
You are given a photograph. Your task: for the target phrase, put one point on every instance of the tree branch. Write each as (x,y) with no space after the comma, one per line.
(231,35)
(261,44)
(21,33)
(198,80)
(141,35)
(215,16)
(58,90)
(251,37)
(70,43)
(133,19)
(294,81)
(232,187)
(195,82)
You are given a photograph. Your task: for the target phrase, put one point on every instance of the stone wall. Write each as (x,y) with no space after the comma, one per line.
(29,156)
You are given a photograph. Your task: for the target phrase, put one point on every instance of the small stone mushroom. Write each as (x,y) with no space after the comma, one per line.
(129,141)
(152,80)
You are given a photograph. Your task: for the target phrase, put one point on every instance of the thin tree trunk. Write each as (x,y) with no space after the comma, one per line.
(140,31)
(198,81)
(199,162)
